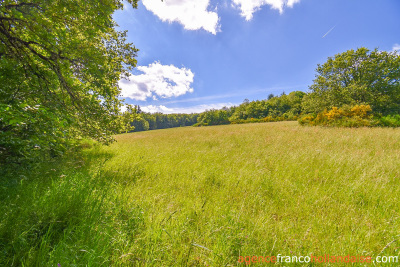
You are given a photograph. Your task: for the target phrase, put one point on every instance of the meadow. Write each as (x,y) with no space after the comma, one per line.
(205,196)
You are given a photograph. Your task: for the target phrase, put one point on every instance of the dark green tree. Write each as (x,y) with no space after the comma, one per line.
(60,63)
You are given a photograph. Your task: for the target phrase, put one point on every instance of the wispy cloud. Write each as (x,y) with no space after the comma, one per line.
(244,93)
(248,7)
(187,110)
(157,80)
(159,108)
(204,98)
(192,14)
(396,47)
(329,31)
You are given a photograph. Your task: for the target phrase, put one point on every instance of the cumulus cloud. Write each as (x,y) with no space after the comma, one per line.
(192,14)
(164,81)
(187,110)
(248,7)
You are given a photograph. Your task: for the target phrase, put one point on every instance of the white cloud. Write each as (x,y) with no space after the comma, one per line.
(153,109)
(187,110)
(123,108)
(248,7)
(396,47)
(192,14)
(164,81)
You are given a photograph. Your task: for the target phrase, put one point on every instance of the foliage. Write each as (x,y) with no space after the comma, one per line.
(163,121)
(143,121)
(276,108)
(31,130)
(214,117)
(140,124)
(60,63)
(286,106)
(359,115)
(388,120)
(357,77)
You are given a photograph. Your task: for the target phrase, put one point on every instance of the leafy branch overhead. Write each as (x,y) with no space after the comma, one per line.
(66,58)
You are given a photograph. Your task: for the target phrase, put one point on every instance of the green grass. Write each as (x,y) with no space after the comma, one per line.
(203,196)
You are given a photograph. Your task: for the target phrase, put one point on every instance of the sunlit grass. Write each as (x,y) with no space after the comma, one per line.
(204,196)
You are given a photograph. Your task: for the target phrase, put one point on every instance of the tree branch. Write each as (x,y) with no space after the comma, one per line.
(11,19)
(21,5)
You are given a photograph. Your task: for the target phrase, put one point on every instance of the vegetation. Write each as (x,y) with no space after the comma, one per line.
(360,77)
(352,89)
(60,63)
(356,116)
(347,116)
(276,108)
(189,196)
(209,195)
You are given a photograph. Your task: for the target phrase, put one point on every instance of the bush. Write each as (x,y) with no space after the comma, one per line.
(307,119)
(361,111)
(356,116)
(388,121)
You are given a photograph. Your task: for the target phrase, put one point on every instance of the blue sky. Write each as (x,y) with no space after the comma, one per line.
(202,54)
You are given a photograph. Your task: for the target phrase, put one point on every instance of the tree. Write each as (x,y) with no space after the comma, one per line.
(60,63)
(139,124)
(213,117)
(357,77)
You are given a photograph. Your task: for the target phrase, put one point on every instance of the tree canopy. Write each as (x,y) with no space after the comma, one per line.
(60,63)
(357,77)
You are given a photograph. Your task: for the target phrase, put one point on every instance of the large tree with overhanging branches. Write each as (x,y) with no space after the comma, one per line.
(60,63)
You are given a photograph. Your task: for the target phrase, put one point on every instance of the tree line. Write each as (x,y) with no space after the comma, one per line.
(354,88)
(276,108)
(144,121)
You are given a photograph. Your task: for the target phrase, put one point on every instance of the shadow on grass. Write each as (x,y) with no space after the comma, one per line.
(63,212)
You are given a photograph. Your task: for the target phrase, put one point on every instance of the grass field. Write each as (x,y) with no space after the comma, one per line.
(205,196)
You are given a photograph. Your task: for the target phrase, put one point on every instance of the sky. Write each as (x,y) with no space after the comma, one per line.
(196,55)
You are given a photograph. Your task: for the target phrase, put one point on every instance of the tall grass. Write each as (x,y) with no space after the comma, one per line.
(67,214)
(204,196)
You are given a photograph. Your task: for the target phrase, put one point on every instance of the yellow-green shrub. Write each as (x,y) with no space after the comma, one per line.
(345,116)
(361,111)
(334,114)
